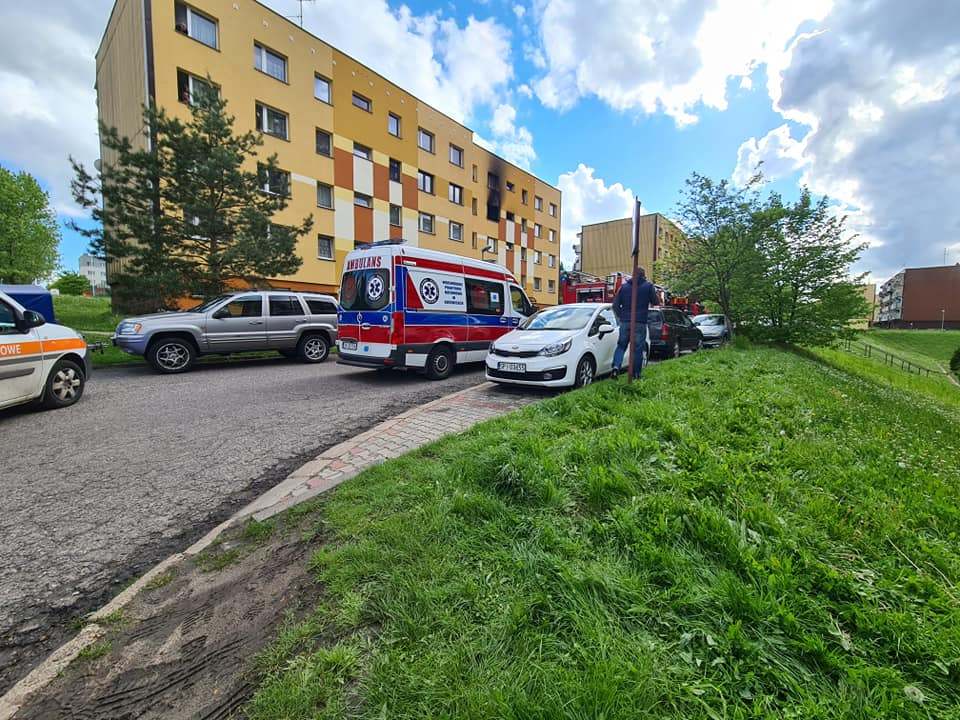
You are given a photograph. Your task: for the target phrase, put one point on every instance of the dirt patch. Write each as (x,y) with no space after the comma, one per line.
(185,646)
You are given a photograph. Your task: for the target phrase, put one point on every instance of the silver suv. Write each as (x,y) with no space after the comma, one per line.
(295,324)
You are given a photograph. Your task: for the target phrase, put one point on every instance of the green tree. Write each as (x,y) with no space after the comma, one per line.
(71,283)
(191,212)
(29,235)
(716,257)
(805,294)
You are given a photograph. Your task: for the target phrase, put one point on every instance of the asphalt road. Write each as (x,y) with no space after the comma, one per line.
(95,494)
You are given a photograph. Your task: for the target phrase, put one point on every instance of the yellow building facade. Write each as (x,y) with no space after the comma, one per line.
(605,248)
(367,159)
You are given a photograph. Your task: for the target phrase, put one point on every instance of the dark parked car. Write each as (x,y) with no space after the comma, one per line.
(672,332)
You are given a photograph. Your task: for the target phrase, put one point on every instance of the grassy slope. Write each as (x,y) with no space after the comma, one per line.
(918,344)
(744,534)
(85,314)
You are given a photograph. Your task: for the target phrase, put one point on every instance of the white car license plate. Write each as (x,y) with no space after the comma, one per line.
(512,367)
(348,344)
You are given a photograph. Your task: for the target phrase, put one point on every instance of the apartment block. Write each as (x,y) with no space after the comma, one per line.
(605,248)
(366,158)
(93,269)
(921,298)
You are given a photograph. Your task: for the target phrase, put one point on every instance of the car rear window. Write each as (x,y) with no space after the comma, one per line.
(321,307)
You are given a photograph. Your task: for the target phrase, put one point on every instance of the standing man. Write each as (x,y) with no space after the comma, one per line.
(646,296)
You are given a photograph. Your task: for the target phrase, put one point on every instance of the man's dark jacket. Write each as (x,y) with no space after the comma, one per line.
(646,296)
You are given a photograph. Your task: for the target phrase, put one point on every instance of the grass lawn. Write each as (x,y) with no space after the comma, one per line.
(746,533)
(918,345)
(85,314)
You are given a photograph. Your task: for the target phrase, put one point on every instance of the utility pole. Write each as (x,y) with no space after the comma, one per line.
(943,315)
(633,292)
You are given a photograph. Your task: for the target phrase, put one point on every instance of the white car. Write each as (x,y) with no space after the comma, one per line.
(39,360)
(561,346)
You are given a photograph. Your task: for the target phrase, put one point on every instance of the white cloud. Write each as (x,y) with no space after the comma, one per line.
(525,90)
(588,199)
(778,152)
(510,141)
(520,11)
(878,87)
(660,55)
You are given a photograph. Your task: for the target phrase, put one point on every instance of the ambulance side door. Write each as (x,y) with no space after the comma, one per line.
(21,359)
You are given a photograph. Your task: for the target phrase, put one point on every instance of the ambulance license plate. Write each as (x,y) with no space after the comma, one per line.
(512,367)
(348,344)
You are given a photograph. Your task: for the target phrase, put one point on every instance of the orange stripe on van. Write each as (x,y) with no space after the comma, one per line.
(36,347)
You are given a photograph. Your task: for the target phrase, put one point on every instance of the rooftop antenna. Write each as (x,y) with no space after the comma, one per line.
(299,16)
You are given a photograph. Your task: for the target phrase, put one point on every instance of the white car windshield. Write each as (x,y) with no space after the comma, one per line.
(559,318)
(708,320)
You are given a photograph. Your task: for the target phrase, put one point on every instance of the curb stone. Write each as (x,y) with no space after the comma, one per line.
(302,484)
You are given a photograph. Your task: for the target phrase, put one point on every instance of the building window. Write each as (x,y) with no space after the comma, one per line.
(456,231)
(474,205)
(537,203)
(551,286)
(537,257)
(537,284)
(364,103)
(523,254)
(553,210)
(537,229)
(191,89)
(524,197)
(493,181)
(551,260)
(395,168)
(321,89)
(511,187)
(196,25)
(362,151)
(269,62)
(456,155)
(325,247)
(393,124)
(324,143)
(474,173)
(395,216)
(455,194)
(274,180)
(473,241)
(425,140)
(362,200)
(324,196)
(552,235)
(523,225)
(510,216)
(425,182)
(426,223)
(272,122)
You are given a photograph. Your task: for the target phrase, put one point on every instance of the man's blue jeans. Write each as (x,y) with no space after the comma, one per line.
(624,342)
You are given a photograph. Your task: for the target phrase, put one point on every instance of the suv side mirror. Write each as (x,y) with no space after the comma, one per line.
(30,319)
(605,329)
(221,314)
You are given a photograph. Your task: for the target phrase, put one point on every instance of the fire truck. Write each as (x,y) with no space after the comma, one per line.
(577,287)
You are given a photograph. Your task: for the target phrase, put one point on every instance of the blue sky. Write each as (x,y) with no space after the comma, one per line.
(609,98)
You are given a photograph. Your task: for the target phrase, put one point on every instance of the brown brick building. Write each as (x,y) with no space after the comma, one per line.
(921,298)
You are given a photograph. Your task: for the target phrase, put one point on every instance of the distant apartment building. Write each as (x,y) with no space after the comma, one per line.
(95,270)
(366,158)
(921,298)
(605,248)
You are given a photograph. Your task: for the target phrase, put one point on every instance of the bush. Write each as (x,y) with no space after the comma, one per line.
(71,283)
(955,363)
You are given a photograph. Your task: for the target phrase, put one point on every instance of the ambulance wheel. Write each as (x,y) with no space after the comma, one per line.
(439,363)
(64,385)
(313,348)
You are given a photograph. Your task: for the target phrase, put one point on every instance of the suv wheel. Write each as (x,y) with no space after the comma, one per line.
(313,348)
(439,363)
(64,385)
(171,355)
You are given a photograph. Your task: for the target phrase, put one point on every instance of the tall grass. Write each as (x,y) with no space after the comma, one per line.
(743,534)
(923,344)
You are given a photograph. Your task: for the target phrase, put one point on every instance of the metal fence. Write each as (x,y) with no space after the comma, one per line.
(871,351)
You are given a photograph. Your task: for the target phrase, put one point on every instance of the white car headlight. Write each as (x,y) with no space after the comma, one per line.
(557,348)
(129,328)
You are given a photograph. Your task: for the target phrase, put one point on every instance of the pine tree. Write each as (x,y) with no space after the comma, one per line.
(191,212)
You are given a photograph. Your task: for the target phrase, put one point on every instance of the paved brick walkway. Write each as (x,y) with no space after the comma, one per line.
(391,438)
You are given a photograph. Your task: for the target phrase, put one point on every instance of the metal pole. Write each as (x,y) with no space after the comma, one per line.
(633,294)
(943,313)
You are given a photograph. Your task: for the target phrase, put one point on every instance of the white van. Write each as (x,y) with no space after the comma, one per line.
(39,360)
(407,307)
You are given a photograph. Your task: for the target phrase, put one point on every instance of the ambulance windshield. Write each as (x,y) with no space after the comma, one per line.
(365,289)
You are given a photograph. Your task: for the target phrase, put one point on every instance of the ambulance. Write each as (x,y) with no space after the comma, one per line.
(406,307)
(39,361)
